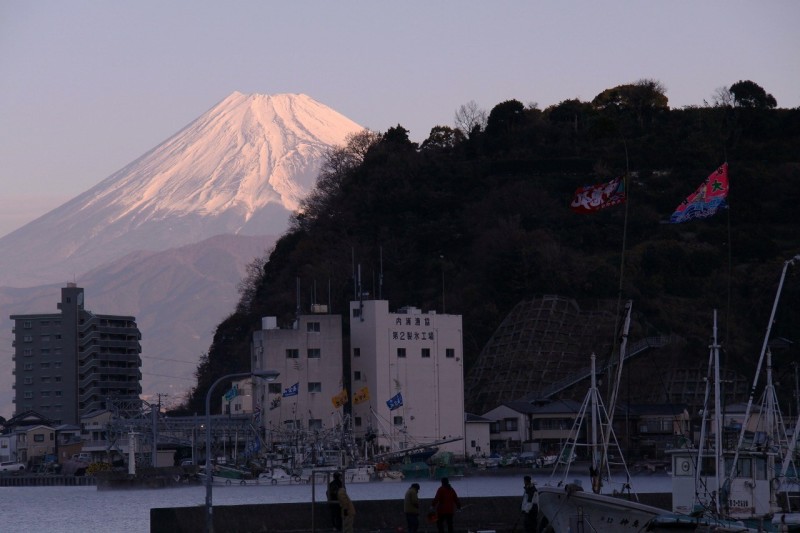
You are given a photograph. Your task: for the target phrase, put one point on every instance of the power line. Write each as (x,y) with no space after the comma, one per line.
(166,376)
(168,359)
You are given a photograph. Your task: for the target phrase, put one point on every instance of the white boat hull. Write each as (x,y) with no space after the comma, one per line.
(567,509)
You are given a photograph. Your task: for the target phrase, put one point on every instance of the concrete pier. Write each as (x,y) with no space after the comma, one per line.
(499,514)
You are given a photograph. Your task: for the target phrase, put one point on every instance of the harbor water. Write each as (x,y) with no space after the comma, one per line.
(80,509)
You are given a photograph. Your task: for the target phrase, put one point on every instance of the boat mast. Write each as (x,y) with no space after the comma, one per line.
(623,347)
(713,360)
(595,415)
(719,420)
(764,346)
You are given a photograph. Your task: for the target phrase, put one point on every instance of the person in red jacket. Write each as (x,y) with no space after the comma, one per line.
(445,503)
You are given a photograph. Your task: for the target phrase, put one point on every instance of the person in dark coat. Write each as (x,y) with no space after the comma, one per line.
(333,501)
(445,503)
(530,505)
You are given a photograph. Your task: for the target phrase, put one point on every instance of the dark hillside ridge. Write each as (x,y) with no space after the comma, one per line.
(476,224)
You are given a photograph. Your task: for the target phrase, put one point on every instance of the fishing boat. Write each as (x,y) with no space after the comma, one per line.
(735,488)
(611,505)
(703,495)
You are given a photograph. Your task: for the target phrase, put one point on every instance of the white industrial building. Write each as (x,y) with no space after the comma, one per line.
(413,356)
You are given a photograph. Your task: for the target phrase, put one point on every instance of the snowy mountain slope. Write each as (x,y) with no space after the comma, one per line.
(240,168)
(178,297)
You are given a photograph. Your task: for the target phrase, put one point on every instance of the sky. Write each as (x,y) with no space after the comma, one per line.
(86,87)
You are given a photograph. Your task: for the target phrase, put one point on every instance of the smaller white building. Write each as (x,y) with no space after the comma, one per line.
(238,400)
(476,436)
(309,358)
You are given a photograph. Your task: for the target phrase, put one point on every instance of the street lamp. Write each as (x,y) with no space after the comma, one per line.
(268,375)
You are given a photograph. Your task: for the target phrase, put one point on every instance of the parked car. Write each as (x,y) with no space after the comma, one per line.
(11,466)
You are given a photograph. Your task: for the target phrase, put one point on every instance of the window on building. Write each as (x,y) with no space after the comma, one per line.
(356,313)
(57,336)
(45,393)
(45,379)
(28,394)
(28,381)
(397,421)
(274,388)
(314,353)
(494,427)
(27,352)
(27,324)
(401,352)
(356,352)
(315,423)
(38,438)
(27,338)
(44,364)
(28,366)
(57,379)
(426,352)
(292,353)
(357,375)
(57,393)
(312,327)
(57,364)
(45,338)
(314,386)
(450,353)
(357,421)
(44,351)
(510,424)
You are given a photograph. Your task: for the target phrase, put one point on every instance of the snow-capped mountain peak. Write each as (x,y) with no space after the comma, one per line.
(241,167)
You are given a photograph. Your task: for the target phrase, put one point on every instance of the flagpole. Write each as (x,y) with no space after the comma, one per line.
(625,182)
(730,264)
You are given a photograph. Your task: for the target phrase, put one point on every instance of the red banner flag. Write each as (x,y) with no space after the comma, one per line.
(709,198)
(592,198)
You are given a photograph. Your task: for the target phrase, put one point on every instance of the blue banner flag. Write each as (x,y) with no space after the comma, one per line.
(292,391)
(231,394)
(395,401)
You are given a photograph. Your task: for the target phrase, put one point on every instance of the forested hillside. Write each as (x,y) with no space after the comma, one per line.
(477,218)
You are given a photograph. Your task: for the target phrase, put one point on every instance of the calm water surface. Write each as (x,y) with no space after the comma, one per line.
(82,509)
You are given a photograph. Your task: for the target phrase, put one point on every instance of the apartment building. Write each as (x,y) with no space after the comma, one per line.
(68,363)
(407,376)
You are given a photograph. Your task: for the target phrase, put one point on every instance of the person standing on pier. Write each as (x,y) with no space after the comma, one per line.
(411,508)
(530,505)
(445,503)
(348,511)
(333,501)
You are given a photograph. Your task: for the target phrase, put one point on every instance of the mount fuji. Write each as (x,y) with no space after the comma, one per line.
(168,237)
(240,168)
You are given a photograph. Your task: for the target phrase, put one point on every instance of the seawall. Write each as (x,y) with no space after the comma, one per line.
(48,480)
(500,514)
